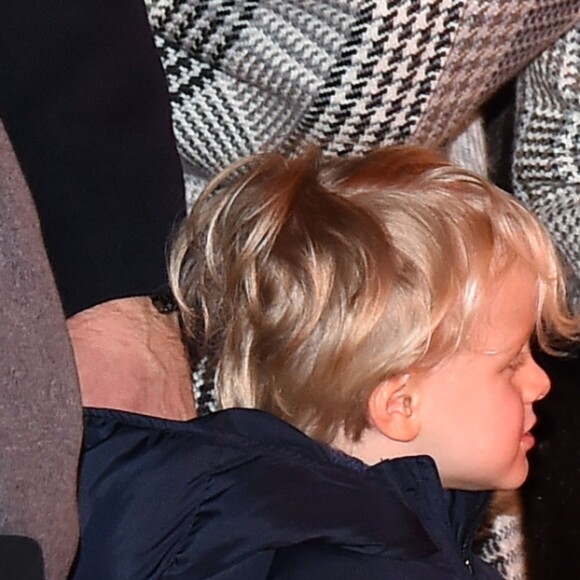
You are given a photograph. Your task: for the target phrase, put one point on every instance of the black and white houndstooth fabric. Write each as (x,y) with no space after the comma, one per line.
(250,75)
(547,147)
(277,73)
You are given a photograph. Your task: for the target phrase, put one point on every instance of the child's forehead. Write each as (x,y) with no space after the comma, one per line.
(507,312)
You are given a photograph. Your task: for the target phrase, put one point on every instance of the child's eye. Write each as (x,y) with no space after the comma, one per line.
(517,361)
(515,364)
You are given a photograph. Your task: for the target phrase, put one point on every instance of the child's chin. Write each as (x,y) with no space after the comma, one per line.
(509,481)
(515,479)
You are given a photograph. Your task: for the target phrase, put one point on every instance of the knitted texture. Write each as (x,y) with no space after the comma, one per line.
(547,147)
(203,386)
(505,547)
(245,76)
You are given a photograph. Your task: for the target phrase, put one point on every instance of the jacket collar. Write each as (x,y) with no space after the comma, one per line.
(446,514)
(416,478)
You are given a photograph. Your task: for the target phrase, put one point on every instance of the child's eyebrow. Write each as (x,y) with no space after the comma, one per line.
(518,347)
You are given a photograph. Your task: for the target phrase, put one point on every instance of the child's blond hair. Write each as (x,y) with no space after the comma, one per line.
(314,280)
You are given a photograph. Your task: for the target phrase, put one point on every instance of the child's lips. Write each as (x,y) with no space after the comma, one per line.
(528,440)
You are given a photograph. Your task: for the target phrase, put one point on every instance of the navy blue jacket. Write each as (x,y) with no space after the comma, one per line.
(242,495)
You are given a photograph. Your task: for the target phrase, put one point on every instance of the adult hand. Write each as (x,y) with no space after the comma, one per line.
(130,357)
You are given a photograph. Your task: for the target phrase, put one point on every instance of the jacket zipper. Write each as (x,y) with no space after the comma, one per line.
(465,553)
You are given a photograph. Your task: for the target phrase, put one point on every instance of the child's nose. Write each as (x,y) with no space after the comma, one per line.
(535,382)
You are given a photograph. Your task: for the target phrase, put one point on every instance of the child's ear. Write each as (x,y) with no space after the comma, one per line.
(393,409)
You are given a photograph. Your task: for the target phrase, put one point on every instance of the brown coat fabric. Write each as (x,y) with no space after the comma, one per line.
(40,413)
